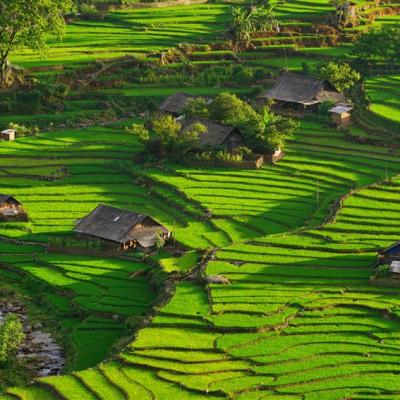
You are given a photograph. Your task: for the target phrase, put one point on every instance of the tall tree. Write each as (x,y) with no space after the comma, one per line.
(27,24)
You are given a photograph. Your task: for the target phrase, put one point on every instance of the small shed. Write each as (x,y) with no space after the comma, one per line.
(341,115)
(174,104)
(120,229)
(8,134)
(394,269)
(390,254)
(301,92)
(217,135)
(11,209)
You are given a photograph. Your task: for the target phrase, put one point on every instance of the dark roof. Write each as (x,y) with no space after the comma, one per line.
(302,89)
(391,247)
(175,103)
(5,197)
(110,223)
(216,133)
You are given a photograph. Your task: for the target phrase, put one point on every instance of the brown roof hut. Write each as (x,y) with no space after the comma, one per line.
(11,209)
(217,135)
(120,229)
(175,103)
(297,90)
(341,115)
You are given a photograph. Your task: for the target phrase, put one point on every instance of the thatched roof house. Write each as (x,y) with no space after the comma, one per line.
(293,89)
(120,229)
(217,135)
(6,199)
(175,103)
(11,209)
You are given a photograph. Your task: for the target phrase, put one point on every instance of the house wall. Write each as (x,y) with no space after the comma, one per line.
(233,141)
(8,137)
(341,119)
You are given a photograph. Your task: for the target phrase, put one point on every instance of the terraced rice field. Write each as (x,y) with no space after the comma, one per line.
(384,92)
(132,32)
(298,321)
(60,177)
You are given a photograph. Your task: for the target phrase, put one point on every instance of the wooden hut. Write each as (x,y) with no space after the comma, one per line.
(8,134)
(11,209)
(119,229)
(341,115)
(217,135)
(300,92)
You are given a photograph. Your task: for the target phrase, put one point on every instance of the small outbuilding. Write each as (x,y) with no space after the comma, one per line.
(8,134)
(11,209)
(394,269)
(301,93)
(341,115)
(217,135)
(120,230)
(174,104)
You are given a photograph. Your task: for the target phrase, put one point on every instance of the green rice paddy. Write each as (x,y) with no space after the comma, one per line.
(384,93)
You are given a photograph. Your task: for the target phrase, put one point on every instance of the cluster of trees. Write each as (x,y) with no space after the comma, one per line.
(379,46)
(246,20)
(341,75)
(263,131)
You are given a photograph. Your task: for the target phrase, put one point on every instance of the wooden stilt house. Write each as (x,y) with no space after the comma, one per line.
(120,230)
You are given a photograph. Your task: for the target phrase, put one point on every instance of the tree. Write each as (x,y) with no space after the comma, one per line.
(166,139)
(275,129)
(11,337)
(254,18)
(26,24)
(196,107)
(341,76)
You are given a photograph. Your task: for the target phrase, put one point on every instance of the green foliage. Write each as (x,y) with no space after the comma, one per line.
(27,23)
(196,107)
(382,270)
(23,130)
(250,19)
(11,337)
(341,76)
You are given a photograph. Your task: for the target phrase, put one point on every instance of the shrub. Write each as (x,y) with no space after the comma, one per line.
(23,130)
(11,337)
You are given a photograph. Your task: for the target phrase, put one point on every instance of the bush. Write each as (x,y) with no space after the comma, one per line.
(23,130)
(11,337)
